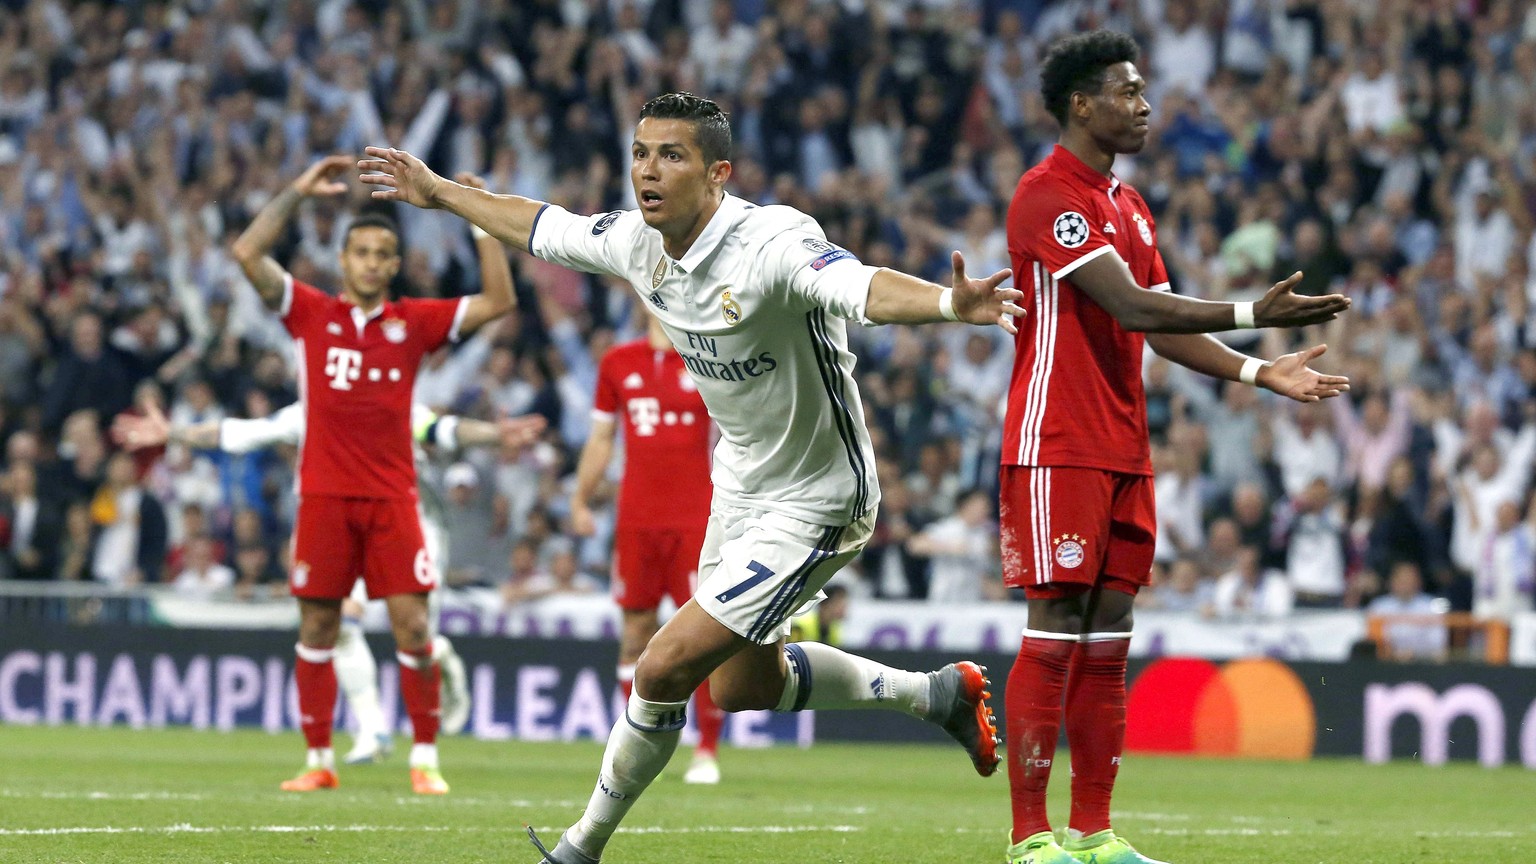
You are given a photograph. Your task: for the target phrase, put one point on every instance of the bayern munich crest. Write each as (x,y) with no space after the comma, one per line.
(394,330)
(1143,227)
(1069,551)
(1071,229)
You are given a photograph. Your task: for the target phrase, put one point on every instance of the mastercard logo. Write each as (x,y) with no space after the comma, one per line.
(1253,707)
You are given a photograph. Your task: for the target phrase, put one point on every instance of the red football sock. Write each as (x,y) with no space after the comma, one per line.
(316,680)
(1033,708)
(626,680)
(709,718)
(1095,729)
(419,685)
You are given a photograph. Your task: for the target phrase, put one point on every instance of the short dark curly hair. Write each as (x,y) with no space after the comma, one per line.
(1076,64)
(710,125)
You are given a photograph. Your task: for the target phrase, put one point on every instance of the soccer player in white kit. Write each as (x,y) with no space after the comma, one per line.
(755,300)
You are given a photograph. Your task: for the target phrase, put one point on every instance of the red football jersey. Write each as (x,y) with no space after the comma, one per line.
(356,372)
(1076,398)
(666,436)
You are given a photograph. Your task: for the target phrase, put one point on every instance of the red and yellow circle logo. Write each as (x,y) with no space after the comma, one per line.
(1253,707)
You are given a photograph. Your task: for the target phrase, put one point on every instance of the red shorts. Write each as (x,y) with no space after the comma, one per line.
(336,540)
(1063,527)
(650,563)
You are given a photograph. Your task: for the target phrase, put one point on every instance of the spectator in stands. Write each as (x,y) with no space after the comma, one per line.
(31,525)
(1419,635)
(962,552)
(476,519)
(1314,531)
(203,577)
(1183,589)
(129,548)
(1250,591)
(1505,580)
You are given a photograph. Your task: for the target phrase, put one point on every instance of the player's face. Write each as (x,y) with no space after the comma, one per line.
(1121,111)
(369,261)
(673,183)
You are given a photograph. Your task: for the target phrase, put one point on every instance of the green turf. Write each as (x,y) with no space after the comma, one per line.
(181,796)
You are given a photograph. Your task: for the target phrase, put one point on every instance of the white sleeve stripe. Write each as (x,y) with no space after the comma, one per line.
(1084,259)
(286,306)
(1165,287)
(458,319)
(602,416)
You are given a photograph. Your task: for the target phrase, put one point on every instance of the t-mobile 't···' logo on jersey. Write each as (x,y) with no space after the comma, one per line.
(343,366)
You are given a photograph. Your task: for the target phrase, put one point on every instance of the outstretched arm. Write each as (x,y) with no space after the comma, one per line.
(496,297)
(896,298)
(403,177)
(153,429)
(1107,280)
(1288,375)
(251,248)
(590,468)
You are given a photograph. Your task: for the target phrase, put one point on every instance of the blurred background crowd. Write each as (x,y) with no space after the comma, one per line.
(1387,148)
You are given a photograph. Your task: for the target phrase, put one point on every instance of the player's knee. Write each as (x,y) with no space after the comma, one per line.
(734,696)
(663,674)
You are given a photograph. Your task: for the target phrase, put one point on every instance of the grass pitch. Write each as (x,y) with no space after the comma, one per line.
(112,795)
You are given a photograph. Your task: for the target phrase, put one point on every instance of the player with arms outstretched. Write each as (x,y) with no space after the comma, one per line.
(755,300)
(1076,479)
(644,386)
(357,358)
(356,672)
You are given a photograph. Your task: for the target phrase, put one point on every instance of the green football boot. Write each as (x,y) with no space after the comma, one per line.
(1039,848)
(1104,847)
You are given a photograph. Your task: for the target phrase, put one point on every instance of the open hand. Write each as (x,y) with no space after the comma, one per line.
(982,301)
(1281,307)
(135,432)
(518,432)
(402,176)
(321,177)
(1291,377)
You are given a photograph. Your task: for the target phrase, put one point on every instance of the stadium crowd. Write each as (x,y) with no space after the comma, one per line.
(1386,148)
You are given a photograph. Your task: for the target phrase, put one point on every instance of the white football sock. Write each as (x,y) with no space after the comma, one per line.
(822,677)
(640,746)
(423,755)
(321,757)
(358,676)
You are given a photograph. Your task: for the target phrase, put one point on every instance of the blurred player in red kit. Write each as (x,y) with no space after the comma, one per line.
(357,358)
(1076,503)
(664,501)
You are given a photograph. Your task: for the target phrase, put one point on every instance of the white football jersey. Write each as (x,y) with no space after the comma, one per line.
(757,310)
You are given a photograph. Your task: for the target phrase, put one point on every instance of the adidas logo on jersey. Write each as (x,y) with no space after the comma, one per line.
(1109,227)
(634,381)
(656,301)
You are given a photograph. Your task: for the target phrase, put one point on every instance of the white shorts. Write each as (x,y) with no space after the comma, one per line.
(759,569)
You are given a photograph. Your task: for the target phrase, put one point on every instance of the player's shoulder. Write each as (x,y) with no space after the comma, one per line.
(1046,187)
(763,224)
(628,350)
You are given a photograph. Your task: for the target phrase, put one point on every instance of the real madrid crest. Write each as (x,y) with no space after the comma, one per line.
(1069,551)
(730,308)
(394,329)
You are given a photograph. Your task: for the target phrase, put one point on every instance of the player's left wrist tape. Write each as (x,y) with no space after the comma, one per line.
(947,304)
(1242,315)
(1250,371)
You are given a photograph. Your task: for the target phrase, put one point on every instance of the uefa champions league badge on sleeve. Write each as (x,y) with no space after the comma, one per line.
(605,222)
(1069,551)
(1071,229)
